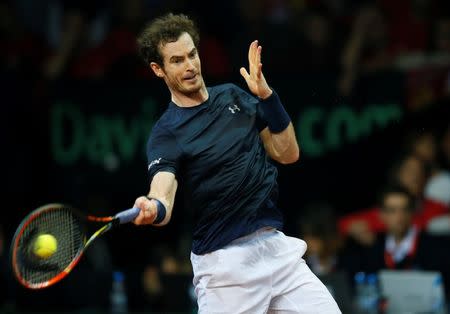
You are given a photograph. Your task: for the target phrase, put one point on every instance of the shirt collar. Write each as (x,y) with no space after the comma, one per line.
(401,250)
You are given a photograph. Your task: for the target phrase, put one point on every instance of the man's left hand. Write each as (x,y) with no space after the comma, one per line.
(255,80)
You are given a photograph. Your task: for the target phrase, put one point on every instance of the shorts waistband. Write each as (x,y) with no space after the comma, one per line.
(255,234)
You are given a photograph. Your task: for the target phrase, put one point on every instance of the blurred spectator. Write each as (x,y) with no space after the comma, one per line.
(424,146)
(402,245)
(77,26)
(422,143)
(399,243)
(316,49)
(410,173)
(167,271)
(413,173)
(318,229)
(332,259)
(366,50)
(112,52)
(116,56)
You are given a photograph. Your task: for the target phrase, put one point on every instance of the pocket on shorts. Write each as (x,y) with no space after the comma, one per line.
(205,265)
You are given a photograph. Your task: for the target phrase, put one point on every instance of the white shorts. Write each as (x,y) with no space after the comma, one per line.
(263,272)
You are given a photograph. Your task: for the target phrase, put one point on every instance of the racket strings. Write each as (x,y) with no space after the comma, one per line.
(62,224)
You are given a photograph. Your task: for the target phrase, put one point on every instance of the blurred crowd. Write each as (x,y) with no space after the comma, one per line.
(407,229)
(48,40)
(96,39)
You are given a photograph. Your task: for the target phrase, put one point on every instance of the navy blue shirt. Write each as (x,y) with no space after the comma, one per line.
(215,151)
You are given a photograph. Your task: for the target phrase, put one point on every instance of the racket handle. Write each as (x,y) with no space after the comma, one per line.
(128,215)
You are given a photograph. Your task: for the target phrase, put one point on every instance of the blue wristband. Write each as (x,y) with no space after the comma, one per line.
(274,113)
(160,210)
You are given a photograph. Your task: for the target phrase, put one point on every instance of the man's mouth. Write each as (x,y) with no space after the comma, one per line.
(190,77)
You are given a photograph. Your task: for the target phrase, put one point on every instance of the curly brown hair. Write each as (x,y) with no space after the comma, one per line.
(162,30)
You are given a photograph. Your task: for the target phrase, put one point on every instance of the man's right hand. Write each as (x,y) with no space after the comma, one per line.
(148,211)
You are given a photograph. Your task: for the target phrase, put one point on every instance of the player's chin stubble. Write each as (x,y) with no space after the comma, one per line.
(192,89)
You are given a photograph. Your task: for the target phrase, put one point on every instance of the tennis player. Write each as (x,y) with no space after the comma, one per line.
(218,143)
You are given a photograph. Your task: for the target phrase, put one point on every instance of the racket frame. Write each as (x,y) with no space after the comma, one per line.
(110,222)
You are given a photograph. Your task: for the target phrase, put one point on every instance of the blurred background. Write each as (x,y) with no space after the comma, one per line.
(366,83)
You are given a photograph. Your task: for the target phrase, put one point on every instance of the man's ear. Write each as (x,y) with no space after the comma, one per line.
(157,69)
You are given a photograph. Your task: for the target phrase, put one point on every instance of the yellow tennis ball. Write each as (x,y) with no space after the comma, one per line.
(45,246)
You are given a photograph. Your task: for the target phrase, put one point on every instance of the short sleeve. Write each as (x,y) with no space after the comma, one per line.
(163,152)
(245,97)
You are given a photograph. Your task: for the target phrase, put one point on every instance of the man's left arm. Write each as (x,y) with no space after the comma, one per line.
(282,146)
(279,136)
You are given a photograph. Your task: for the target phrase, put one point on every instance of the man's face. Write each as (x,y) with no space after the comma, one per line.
(396,215)
(181,66)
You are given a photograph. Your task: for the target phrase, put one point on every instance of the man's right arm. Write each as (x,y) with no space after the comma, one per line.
(162,188)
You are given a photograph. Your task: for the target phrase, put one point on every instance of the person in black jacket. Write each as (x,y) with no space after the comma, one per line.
(403,246)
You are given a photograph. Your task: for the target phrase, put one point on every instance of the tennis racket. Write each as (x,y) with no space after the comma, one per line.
(68,228)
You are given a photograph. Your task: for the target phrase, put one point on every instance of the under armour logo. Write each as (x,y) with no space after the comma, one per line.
(233,110)
(154,162)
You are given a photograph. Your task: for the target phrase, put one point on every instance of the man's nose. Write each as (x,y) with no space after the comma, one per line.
(190,65)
